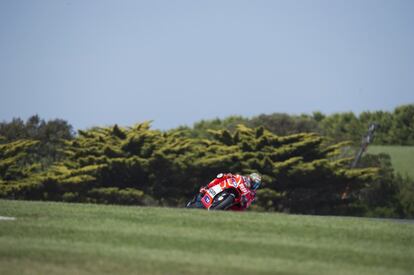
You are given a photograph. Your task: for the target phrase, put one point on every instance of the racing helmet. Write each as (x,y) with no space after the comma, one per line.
(255,180)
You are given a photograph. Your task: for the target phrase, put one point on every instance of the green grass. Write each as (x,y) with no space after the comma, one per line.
(59,238)
(402,157)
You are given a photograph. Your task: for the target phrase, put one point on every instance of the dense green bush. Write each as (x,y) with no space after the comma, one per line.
(391,195)
(304,163)
(133,165)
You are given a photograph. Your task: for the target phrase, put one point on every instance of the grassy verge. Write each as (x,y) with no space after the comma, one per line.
(402,157)
(58,238)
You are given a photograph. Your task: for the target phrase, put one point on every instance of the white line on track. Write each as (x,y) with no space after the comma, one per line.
(7,218)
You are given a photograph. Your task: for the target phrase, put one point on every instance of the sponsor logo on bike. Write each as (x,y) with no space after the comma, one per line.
(207,199)
(243,188)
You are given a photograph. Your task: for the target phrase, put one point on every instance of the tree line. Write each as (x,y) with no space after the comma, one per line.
(395,128)
(303,171)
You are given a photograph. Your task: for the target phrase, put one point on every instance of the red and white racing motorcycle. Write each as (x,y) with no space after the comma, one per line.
(227,194)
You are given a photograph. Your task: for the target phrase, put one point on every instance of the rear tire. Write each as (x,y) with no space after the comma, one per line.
(225,203)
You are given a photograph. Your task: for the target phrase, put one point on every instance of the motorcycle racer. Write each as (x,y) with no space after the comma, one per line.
(252,182)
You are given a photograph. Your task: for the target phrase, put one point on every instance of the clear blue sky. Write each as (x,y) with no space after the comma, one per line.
(176,62)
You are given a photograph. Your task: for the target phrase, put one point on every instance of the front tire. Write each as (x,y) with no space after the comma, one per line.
(223,201)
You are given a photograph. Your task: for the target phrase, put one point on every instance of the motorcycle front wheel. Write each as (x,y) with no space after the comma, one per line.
(223,201)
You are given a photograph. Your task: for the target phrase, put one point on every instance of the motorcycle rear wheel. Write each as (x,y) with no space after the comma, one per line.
(195,202)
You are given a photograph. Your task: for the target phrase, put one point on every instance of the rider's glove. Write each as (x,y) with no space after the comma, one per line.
(203,190)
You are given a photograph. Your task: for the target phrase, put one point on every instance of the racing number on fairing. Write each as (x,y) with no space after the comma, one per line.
(212,192)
